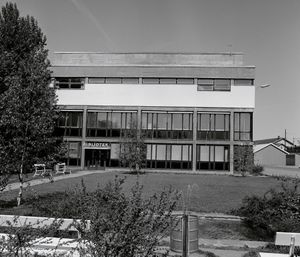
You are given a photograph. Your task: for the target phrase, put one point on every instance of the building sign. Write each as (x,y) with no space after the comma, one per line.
(96,145)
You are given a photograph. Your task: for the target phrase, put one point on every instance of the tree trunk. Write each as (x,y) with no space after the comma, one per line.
(19,198)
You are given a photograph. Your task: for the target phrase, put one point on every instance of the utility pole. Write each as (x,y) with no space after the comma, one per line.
(285,138)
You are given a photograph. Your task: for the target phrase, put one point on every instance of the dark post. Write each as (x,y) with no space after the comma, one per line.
(185,235)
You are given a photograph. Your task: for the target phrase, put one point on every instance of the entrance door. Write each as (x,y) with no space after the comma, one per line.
(97,158)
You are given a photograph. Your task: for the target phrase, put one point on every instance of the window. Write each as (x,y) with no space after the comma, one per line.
(167,156)
(113,80)
(213,126)
(212,157)
(243,126)
(213,85)
(243,82)
(96,80)
(185,81)
(167,125)
(167,81)
(109,124)
(150,80)
(130,80)
(69,83)
(73,153)
(70,124)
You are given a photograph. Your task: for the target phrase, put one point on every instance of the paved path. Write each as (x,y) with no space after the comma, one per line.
(39,181)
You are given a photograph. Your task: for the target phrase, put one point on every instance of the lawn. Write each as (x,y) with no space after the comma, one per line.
(210,193)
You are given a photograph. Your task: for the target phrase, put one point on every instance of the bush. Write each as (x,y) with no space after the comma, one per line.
(251,254)
(122,224)
(257,169)
(272,248)
(277,210)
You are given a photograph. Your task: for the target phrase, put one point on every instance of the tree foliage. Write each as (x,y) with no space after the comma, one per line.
(123,222)
(28,108)
(243,159)
(20,240)
(126,225)
(133,150)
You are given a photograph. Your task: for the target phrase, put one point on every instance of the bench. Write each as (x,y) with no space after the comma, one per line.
(285,239)
(39,169)
(61,168)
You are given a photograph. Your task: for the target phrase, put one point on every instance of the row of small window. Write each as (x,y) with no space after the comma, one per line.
(202,84)
(162,125)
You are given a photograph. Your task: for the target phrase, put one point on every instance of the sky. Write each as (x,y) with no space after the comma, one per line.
(266,31)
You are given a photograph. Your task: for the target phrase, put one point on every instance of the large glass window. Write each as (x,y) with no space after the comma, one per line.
(167,125)
(213,126)
(73,153)
(243,126)
(212,157)
(164,156)
(109,124)
(70,124)
(114,156)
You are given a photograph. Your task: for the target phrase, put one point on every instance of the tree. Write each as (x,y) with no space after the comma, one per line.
(133,151)
(123,224)
(28,109)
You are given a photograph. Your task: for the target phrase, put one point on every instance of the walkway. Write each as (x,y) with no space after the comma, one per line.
(38,181)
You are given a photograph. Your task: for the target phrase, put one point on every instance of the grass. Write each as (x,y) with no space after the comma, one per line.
(221,229)
(209,193)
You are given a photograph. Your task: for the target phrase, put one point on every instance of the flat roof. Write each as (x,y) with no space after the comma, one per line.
(226,59)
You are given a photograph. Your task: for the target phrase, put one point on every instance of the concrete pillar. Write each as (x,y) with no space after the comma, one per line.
(84,119)
(139,121)
(231,148)
(194,159)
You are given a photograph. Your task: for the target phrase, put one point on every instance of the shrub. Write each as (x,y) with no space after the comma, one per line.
(243,159)
(124,224)
(257,169)
(251,254)
(271,247)
(277,210)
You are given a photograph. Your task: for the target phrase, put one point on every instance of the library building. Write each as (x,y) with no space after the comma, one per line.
(192,108)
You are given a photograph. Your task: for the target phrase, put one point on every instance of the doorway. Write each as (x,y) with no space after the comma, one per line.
(97,158)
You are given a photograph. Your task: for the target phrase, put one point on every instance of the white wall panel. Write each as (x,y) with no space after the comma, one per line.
(157,95)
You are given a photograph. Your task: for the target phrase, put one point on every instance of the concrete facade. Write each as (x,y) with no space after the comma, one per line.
(163,99)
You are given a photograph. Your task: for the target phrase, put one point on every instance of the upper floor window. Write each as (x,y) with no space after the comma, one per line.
(69,83)
(109,124)
(167,125)
(70,124)
(213,84)
(113,80)
(243,82)
(212,126)
(243,126)
(168,80)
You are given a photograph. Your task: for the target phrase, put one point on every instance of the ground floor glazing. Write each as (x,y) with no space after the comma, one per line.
(97,155)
